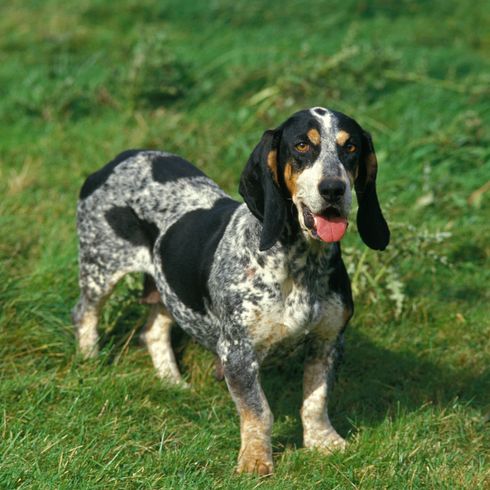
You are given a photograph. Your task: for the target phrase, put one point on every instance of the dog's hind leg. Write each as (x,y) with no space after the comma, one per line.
(96,284)
(156,336)
(112,243)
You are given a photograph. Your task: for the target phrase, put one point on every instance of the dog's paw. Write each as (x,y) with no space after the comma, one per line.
(178,383)
(88,348)
(261,468)
(326,443)
(253,461)
(334,443)
(172,378)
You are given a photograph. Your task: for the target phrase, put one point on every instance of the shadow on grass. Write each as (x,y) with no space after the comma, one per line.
(373,383)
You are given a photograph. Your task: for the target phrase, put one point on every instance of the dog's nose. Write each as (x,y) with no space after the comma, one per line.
(332,189)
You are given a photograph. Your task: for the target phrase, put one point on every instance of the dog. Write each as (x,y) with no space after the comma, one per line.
(245,278)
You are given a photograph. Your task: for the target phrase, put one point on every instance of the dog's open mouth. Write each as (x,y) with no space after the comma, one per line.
(329,226)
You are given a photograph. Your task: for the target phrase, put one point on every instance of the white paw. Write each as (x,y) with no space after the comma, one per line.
(169,376)
(326,441)
(88,346)
(259,463)
(333,443)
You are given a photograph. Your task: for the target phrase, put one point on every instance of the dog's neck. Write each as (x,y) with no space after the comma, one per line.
(309,255)
(296,252)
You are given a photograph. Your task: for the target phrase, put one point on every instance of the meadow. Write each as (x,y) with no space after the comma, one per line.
(82,81)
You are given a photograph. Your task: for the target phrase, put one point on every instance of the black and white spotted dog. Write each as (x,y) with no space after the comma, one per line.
(240,278)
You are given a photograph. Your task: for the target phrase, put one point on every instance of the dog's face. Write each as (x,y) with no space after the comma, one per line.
(314,159)
(318,155)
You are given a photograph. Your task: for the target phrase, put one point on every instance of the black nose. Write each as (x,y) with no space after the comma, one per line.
(332,189)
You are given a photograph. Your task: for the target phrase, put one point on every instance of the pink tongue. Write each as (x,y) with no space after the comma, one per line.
(330,229)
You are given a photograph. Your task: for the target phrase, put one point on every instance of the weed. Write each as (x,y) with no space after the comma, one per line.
(156,76)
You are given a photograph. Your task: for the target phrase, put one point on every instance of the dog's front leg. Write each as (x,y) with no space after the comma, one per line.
(318,432)
(241,371)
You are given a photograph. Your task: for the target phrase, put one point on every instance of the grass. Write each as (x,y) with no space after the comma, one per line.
(84,80)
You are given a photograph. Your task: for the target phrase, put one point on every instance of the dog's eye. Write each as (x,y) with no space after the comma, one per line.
(302,147)
(350,147)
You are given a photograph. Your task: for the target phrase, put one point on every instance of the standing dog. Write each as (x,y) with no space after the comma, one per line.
(240,278)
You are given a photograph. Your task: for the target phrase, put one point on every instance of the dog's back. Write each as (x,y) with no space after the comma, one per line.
(123,210)
(140,194)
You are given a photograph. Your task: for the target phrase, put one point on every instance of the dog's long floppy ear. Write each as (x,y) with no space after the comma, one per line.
(259,188)
(370,221)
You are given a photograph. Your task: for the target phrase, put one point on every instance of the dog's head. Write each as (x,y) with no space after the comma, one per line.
(314,159)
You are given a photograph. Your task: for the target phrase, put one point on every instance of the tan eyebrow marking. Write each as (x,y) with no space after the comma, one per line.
(314,136)
(342,137)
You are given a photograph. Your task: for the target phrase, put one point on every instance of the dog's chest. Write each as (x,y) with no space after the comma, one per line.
(288,305)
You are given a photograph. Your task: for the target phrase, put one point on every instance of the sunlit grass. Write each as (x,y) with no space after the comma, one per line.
(83,81)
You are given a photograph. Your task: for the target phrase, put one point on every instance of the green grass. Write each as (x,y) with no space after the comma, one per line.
(81,81)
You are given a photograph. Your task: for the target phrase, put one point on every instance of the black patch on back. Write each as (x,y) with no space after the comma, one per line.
(167,168)
(128,226)
(321,112)
(97,179)
(188,248)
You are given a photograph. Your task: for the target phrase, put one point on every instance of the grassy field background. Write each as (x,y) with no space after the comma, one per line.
(81,81)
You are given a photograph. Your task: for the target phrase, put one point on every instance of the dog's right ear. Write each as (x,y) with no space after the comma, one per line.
(259,187)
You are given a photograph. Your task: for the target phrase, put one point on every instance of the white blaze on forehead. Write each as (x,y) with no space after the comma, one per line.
(326,120)
(328,130)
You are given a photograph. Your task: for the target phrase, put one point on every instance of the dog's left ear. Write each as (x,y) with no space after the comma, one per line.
(259,188)
(370,221)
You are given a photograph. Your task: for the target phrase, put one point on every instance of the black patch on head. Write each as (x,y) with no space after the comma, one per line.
(321,112)
(294,131)
(188,248)
(128,226)
(349,160)
(168,168)
(97,179)
(348,125)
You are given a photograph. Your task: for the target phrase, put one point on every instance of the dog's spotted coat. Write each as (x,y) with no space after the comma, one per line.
(242,279)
